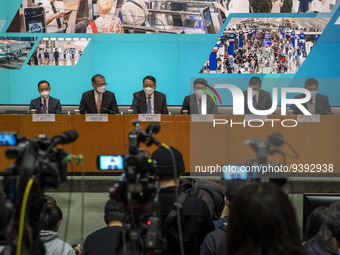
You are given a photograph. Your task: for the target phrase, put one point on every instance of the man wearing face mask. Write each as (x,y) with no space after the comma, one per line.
(192,103)
(318,104)
(261,99)
(45,103)
(149,100)
(98,100)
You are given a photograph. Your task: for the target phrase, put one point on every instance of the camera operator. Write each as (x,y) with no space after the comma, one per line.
(195,217)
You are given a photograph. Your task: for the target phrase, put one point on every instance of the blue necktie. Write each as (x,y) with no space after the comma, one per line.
(148,106)
(254,102)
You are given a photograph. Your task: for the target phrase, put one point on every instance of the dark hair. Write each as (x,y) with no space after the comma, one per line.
(149,77)
(333,220)
(255,81)
(200,81)
(317,230)
(311,82)
(50,200)
(261,6)
(234,188)
(40,82)
(51,217)
(262,221)
(93,79)
(113,211)
(165,163)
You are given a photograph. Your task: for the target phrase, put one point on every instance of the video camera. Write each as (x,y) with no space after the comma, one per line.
(265,169)
(38,164)
(135,188)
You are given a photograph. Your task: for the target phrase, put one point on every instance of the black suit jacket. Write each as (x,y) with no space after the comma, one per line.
(88,103)
(321,105)
(264,101)
(54,105)
(139,103)
(190,104)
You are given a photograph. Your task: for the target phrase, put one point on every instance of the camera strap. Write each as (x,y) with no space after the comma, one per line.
(173,213)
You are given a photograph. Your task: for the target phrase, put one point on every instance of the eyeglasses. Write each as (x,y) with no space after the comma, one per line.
(103,84)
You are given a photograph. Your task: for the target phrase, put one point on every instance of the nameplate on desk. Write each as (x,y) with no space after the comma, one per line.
(96,117)
(253,117)
(202,117)
(43,117)
(308,118)
(149,117)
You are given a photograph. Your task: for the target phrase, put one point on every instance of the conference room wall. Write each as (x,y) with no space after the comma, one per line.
(124,59)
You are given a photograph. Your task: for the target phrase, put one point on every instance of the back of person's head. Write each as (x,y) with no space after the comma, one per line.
(50,200)
(310,82)
(261,6)
(52,217)
(234,188)
(165,162)
(317,230)
(113,211)
(255,81)
(315,220)
(333,221)
(262,221)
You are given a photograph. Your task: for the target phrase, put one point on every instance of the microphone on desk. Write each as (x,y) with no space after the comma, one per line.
(318,106)
(49,110)
(103,108)
(313,101)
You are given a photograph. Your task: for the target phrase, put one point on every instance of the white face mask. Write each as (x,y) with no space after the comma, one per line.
(313,93)
(148,90)
(199,93)
(45,94)
(255,92)
(101,89)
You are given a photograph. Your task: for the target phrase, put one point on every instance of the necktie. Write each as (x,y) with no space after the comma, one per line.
(254,102)
(44,108)
(148,106)
(55,11)
(99,103)
(199,105)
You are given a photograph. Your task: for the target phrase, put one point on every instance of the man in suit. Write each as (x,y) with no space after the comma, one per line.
(45,103)
(261,99)
(148,100)
(192,102)
(98,100)
(318,104)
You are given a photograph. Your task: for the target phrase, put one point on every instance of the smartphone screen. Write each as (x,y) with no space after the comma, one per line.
(110,162)
(8,138)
